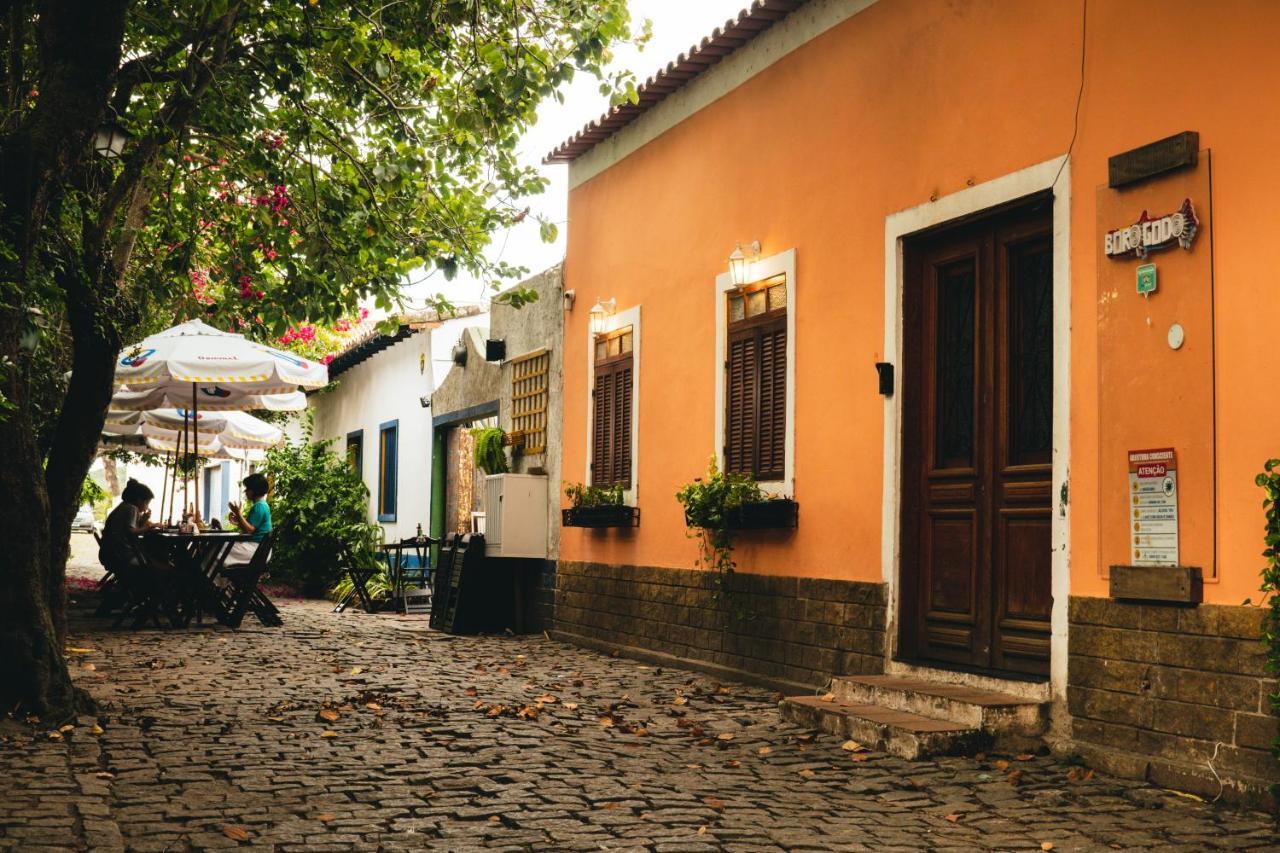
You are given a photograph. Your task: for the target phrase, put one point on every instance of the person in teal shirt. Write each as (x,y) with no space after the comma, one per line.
(256,522)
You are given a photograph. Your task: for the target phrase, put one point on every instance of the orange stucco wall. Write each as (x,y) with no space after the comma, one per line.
(901,102)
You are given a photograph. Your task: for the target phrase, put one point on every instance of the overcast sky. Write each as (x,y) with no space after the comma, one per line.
(677,26)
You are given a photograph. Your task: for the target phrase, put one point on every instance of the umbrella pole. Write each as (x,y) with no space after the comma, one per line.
(195,413)
(164,485)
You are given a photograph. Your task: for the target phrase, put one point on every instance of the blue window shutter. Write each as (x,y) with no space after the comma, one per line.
(388,433)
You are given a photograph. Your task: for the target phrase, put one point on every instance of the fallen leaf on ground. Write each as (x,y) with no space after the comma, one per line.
(714,802)
(356,670)
(495,710)
(55,735)
(546,699)
(610,805)
(97,729)
(852,746)
(828,697)
(607,722)
(470,691)
(702,830)
(1002,765)
(679,700)
(806,772)
(75,651)
(373,706)
(860,757)
(1046,845)
(494,818)
(528,712)
(571,706)
(90,667)
(236,833)
(105,775)
(328,733)
(1026,756)
(1015,777)
(733,763)
(67,728)
(325,818)
(764,750)
(328,715)
(725,736)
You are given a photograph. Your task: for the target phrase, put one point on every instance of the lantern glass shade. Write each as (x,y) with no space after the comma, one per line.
(109,140)
(597,317)
(738,263)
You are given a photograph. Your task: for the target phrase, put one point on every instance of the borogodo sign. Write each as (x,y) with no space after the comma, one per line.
(1149,234)
(1153,507)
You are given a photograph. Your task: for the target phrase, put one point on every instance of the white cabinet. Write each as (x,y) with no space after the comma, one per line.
(515,510)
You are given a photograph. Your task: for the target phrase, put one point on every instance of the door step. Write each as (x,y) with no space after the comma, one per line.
(899,733)
(913,718)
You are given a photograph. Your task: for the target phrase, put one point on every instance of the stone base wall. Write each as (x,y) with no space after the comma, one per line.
(800,631)
(1154,691)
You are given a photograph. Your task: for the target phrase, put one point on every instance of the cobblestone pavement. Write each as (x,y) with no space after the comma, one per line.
(369,732)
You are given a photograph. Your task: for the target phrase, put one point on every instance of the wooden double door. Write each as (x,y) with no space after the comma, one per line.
(978,444)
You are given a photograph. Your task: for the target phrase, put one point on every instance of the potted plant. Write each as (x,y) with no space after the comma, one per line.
(488,453)
(597,506)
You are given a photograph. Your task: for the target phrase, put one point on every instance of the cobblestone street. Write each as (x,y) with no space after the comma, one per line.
(369,732)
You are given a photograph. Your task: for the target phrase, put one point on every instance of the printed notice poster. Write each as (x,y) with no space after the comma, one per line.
(1153,507)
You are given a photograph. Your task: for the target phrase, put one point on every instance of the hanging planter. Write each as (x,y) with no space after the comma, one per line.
(773,514)
(601,516)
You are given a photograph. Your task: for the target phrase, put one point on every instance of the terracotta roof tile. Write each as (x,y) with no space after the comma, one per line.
(736,32)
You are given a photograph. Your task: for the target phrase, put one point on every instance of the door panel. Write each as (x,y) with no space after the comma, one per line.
(978,444)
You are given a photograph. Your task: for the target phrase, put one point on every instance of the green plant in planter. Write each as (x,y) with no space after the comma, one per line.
(706,503)
(588,496)
(489,455)
(1269,481)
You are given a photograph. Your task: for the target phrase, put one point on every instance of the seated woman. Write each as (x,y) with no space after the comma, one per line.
(257,522)
(128,521)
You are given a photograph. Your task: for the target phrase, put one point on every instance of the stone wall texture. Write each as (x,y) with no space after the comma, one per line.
(800,631)
(1154,691)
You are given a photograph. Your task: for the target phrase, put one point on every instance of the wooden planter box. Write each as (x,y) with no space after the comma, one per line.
(601,516)
(764,515)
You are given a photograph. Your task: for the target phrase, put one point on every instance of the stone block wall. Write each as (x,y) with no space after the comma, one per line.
(1155,691)
(801,631)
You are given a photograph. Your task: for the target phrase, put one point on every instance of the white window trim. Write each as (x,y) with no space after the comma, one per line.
(618,320)
(783,263)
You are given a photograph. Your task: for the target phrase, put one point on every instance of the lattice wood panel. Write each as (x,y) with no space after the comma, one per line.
(529,399)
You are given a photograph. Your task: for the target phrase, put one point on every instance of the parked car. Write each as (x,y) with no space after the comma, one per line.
(84,520)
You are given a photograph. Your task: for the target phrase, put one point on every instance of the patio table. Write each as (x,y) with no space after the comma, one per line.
(200,558)
(398,566)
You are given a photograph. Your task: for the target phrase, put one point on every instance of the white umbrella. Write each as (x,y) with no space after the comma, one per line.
(193,364)
(209,398)
(196,353)
(232,429)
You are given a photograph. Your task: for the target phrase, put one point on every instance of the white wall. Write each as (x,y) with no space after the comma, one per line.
(389,387)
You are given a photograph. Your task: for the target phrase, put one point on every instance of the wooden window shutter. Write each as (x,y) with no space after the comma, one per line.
(602,405)
(741,401)
(772,445)
(622,424)
(611,430)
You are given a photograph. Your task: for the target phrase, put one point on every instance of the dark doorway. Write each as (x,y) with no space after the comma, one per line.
(978,443)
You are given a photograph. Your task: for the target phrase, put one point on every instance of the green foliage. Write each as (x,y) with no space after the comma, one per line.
(489,455)
(319,510)
(589,496)
(91,494)
(1269,481)
(706,503)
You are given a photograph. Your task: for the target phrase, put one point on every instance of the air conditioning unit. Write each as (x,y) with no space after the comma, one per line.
(515,515)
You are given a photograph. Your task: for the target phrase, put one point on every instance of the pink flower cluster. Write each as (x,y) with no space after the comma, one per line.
(327,360)
(200,287)
(306,334)
(277,201)
(342,326)
(246,289)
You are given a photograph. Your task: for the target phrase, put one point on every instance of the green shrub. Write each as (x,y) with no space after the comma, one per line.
(489,455)
(589,496)
(319,510)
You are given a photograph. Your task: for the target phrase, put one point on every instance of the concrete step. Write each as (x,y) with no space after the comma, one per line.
(900,733)
(997,714)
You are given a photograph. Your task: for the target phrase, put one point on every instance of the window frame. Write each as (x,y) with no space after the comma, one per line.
(617,321)
(358,435)
(780,264)
(392,427)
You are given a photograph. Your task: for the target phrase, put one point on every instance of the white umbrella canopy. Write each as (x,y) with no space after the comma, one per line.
(232,429)
(196,353)
(209,398)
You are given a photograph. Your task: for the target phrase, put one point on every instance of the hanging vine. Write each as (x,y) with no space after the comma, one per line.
(1269,481)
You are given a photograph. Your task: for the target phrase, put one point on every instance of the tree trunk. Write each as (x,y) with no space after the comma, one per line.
(33,675)
(111,474)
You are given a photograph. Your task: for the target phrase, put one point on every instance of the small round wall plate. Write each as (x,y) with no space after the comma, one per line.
(1176,336)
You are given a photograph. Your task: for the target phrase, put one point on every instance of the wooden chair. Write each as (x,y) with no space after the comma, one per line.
(243,593)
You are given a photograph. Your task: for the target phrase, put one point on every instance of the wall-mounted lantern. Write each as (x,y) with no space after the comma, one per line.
(459,354)
(600,314)
(740,261)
